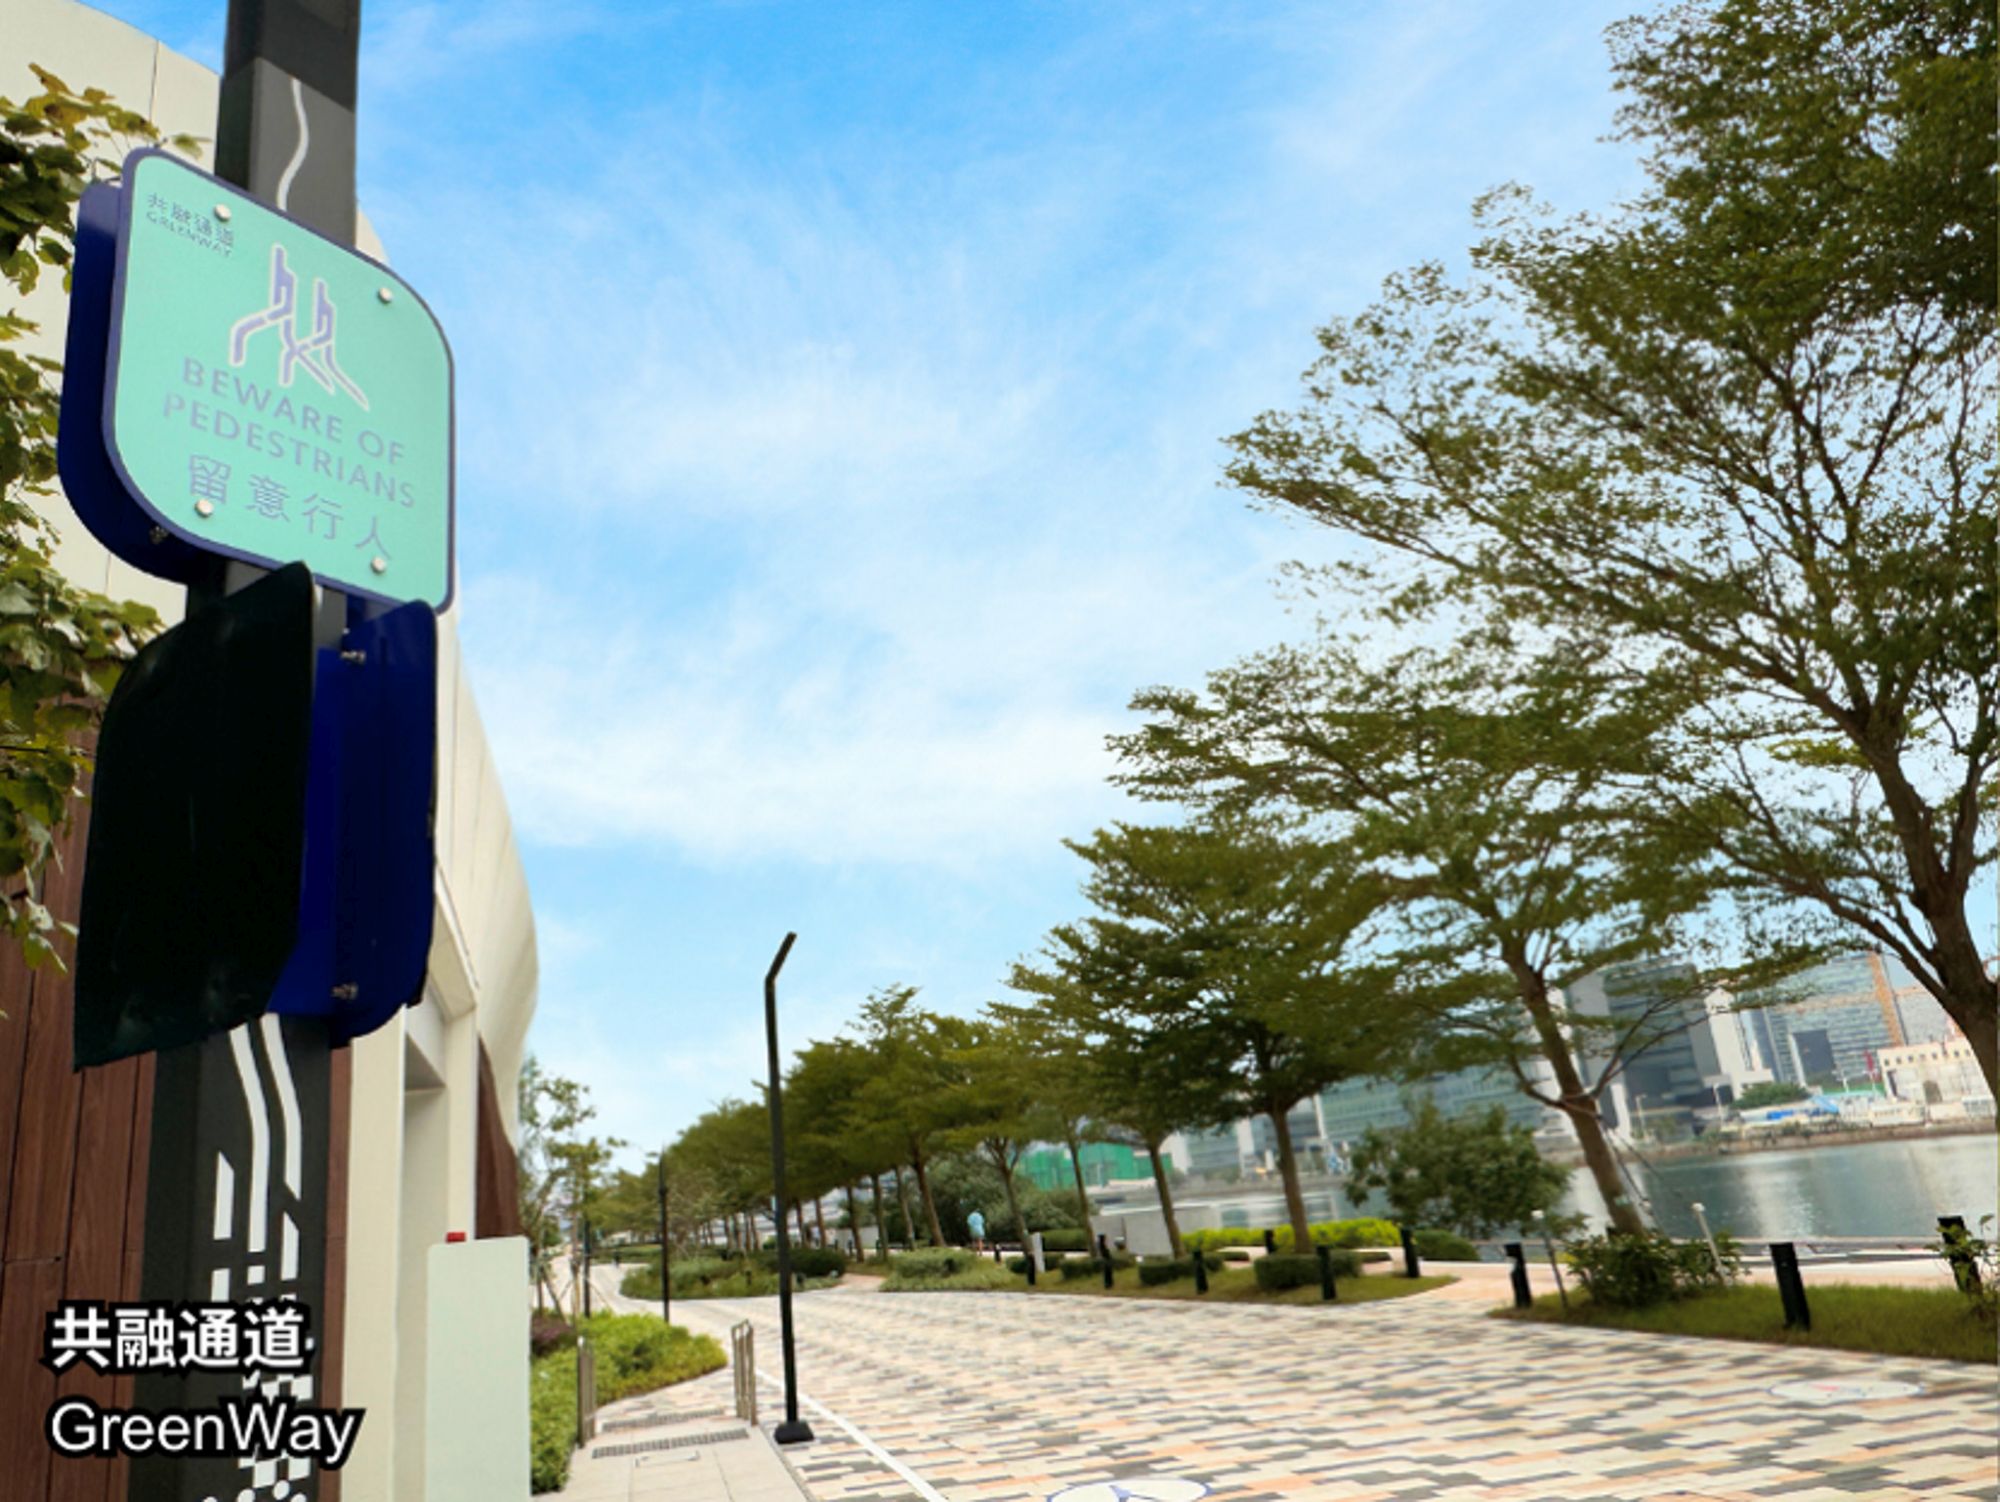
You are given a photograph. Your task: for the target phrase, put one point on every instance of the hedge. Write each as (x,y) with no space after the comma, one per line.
(1154,1273)
(1364,1231)
(1284,1270)
(1446,1246)
(808,1261)
(635,1354)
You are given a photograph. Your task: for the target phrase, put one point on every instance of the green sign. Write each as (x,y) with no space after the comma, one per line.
(274,396)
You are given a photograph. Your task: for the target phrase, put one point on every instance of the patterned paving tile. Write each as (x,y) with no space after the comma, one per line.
(1006,1398)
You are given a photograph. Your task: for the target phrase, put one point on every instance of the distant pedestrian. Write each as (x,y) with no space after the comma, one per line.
(976,1223)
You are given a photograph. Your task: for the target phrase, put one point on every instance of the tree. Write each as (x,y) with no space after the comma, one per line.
(1125,1059)
(1741,435)
(1485,795)
(61,648)
(1068,1082)
(1824,149)
(1473,1174)
(1000,1104)
(832,1142)
(1223,963)
(915,1080)
(563,1173)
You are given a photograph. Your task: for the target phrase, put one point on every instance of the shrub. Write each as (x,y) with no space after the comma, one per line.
(1154,1273)
(943,1268)
(1285,1270)
(1362,1231)
(1446,1246)
(1067,1239)
(1236,1254)
(551,1420)
(1365,1231)
(635,1354)
(1075,1268)
(548,1333)
(808,1261)
(1975,1261)
(1018,1265)
(1636,1271)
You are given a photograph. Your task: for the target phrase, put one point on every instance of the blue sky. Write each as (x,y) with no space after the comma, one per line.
(841,390)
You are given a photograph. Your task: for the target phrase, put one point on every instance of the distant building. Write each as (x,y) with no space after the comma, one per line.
(1217,1154)
(1353,1107)
(1048,1165)
(1831,1023)
(1935,1073)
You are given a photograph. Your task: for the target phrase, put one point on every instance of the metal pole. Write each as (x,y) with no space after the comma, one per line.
(285,134)
(666,1271)
(586,1267)
(1707,1235)
(1549,1245)
(794,1430)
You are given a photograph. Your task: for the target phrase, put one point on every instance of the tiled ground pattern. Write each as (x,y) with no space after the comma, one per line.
(1002,1398)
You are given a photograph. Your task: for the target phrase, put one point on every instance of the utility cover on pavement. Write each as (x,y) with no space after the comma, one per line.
(275,396)
(1842,1390)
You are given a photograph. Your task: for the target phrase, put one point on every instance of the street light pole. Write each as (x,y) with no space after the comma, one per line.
(794,1430)
(667,1273)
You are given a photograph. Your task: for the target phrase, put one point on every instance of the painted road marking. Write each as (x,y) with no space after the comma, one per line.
(867,1442)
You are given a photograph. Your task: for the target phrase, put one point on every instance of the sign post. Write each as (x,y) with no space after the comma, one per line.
(245,393)
(241,1120)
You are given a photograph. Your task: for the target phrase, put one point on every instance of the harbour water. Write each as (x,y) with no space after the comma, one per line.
(1894,1188)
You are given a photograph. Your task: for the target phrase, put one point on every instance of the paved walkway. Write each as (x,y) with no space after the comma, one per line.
(681,1444)
(960,1397)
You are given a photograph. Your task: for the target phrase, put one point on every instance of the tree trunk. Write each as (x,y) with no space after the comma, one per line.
(1166,1198)
(1076,1167)
(1288,1170)
(909,1217)
(819,1219)
(881,1225)
(799,1219)
(1013,1201)
(1577,1102)
(924,1193)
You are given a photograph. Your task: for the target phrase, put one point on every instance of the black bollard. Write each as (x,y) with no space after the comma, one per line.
(1109,1274)
(1103,1247)
(1270,1242)
(1200,1272)
(996,1251)
(1964,1266)
(1524,1298)
(1327,1293)
(1412,1267)
(1791,1287)
(1030,1257)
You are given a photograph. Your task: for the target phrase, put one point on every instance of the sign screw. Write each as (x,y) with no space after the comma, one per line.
(386,294)
(222,212)
(204,508)
(158,534)
(379,564)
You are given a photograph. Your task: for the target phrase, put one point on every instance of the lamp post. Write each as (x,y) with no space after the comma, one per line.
(794,1430)
(667,1309)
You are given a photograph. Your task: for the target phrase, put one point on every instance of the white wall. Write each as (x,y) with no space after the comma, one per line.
(415,1092)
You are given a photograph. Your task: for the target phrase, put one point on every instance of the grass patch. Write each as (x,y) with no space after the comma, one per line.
(1936,1322)
(1231,1285)
(635,1354)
